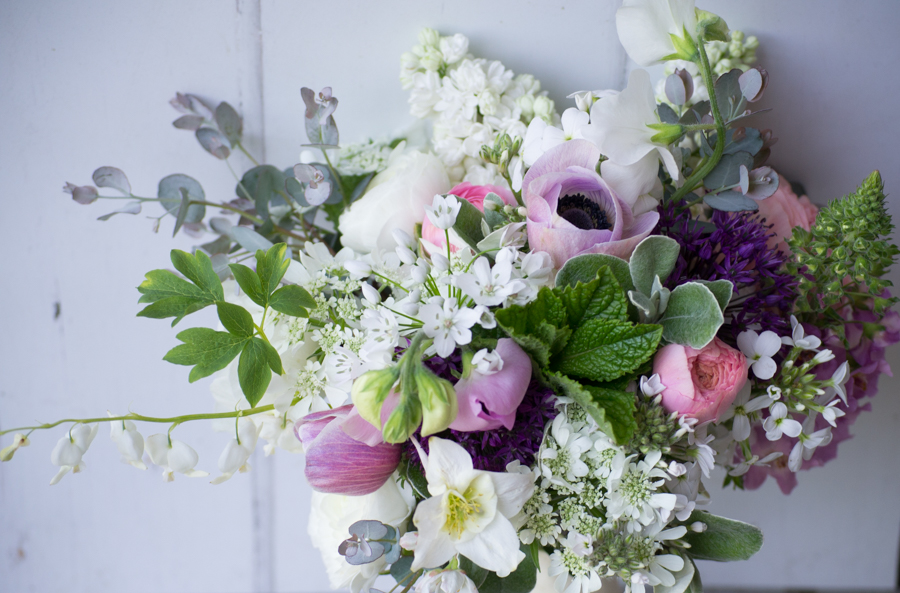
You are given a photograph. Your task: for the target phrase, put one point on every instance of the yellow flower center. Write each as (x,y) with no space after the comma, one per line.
(459,510)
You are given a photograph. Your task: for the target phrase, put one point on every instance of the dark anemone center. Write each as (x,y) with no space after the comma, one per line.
(582,212)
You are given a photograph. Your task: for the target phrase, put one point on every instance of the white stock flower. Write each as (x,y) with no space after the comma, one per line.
(128,441)
(645,27)
(173,457)
(330,517)
(799,338)
(71,448)
(395,199)
(741,409)
(759,350)
(469,511)
(809,439)
(778,423)
(238,450)
(447,324)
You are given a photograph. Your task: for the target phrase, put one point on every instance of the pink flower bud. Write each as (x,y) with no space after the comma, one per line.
(337,463)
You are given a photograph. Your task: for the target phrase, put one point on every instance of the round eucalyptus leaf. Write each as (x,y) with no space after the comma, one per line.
(169,192)
(112,177)
(214,142)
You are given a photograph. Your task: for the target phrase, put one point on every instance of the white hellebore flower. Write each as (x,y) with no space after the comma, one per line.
(173,456)
(646,28)
(395,199)
(759,350)
(238,451)
(443,211)
(128,441)
(779,423)
(469,511)
(620,129)
(445,581)
(71,448)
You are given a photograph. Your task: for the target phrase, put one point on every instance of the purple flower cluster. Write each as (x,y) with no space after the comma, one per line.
(733,248)
(492,450)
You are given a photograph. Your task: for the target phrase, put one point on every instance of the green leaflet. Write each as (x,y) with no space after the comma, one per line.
(725,540)
(206,349)
(539,327)
(271,266)
(172,296)
(249,283)
(603,350)
(292,300)
(236,319)
(601,297)
(254,371)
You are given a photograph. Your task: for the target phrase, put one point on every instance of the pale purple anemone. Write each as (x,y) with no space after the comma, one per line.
(487,402)
(572,211)
(337,463)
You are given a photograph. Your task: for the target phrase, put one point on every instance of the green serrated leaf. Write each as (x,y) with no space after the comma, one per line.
(692,316)
(270,267)
(599,298)
(249,283)
(584,268)
(208,350)
(198,269)
(654,256)
(254,372)
(171,296)
(611,410)
(721,289)
(603,349)
(177,307)
(538,327)
(292,300)
(236,319)
(725,540)
(468,223)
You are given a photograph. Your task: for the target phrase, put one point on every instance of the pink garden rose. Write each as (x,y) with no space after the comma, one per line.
(487,402)
(474,194)
(572,211)
(703,383)
(784,210)
(337,463)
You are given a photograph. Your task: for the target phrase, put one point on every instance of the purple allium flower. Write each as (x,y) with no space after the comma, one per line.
(733,248)
(492,450)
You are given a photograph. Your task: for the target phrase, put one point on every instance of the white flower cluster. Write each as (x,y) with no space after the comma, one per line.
(607,508)
(471,100)
(363,158)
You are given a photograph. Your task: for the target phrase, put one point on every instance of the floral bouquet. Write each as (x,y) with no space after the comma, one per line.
(511,344)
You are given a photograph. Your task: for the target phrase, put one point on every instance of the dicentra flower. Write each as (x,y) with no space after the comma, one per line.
(71,448)
(572,211)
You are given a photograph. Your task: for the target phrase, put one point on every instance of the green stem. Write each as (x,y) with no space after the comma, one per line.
(340,182)
(247,154)
(698,127)
(710,163)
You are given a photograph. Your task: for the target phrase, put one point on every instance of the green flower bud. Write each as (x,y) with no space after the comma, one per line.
(438,399)
(404,420)
(370,390)
(711,26)
(666,133)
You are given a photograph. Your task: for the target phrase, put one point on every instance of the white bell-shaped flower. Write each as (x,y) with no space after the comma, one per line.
(234,458)
(70,449)
(173,457)
(128,441)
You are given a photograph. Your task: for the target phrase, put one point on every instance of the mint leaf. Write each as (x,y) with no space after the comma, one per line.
(292,300)
(270,267)
(603,349)
(612,410)
(208,350)
(725,540)
(254,371)
(199,270)
(692,316)
(236,319)
(584,268)
(538,327)
(249,283)
(654,256)
(602,297)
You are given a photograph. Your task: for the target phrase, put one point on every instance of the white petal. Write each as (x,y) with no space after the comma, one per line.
(59,475)
(496,548)
(433,547)
(182,458)
(795,460)
(765,368)
(513,491)
(157,446)
(768,344)
(448,464)
(791,428)
(746,342)
(740,430)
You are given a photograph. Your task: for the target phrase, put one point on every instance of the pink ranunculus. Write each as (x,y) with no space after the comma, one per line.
(703,383)
(487,402)
(474,194)
(572,211)
(337,463)
(784,210)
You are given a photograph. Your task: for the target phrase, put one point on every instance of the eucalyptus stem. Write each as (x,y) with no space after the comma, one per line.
(175,420)
(709,163)
(247,154)
(337,178)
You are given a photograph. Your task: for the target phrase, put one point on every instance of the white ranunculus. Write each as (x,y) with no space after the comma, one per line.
(645,27)
(395,199)
(332,515)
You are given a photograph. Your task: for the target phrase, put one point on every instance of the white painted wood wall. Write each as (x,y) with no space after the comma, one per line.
(87,84)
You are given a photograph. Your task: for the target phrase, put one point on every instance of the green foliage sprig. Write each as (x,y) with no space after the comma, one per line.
(843,258)
(208,350)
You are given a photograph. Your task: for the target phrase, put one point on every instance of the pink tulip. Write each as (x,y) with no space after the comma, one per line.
(703,383)
(572,211)
(338,463)
(474,194)
(487,402)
